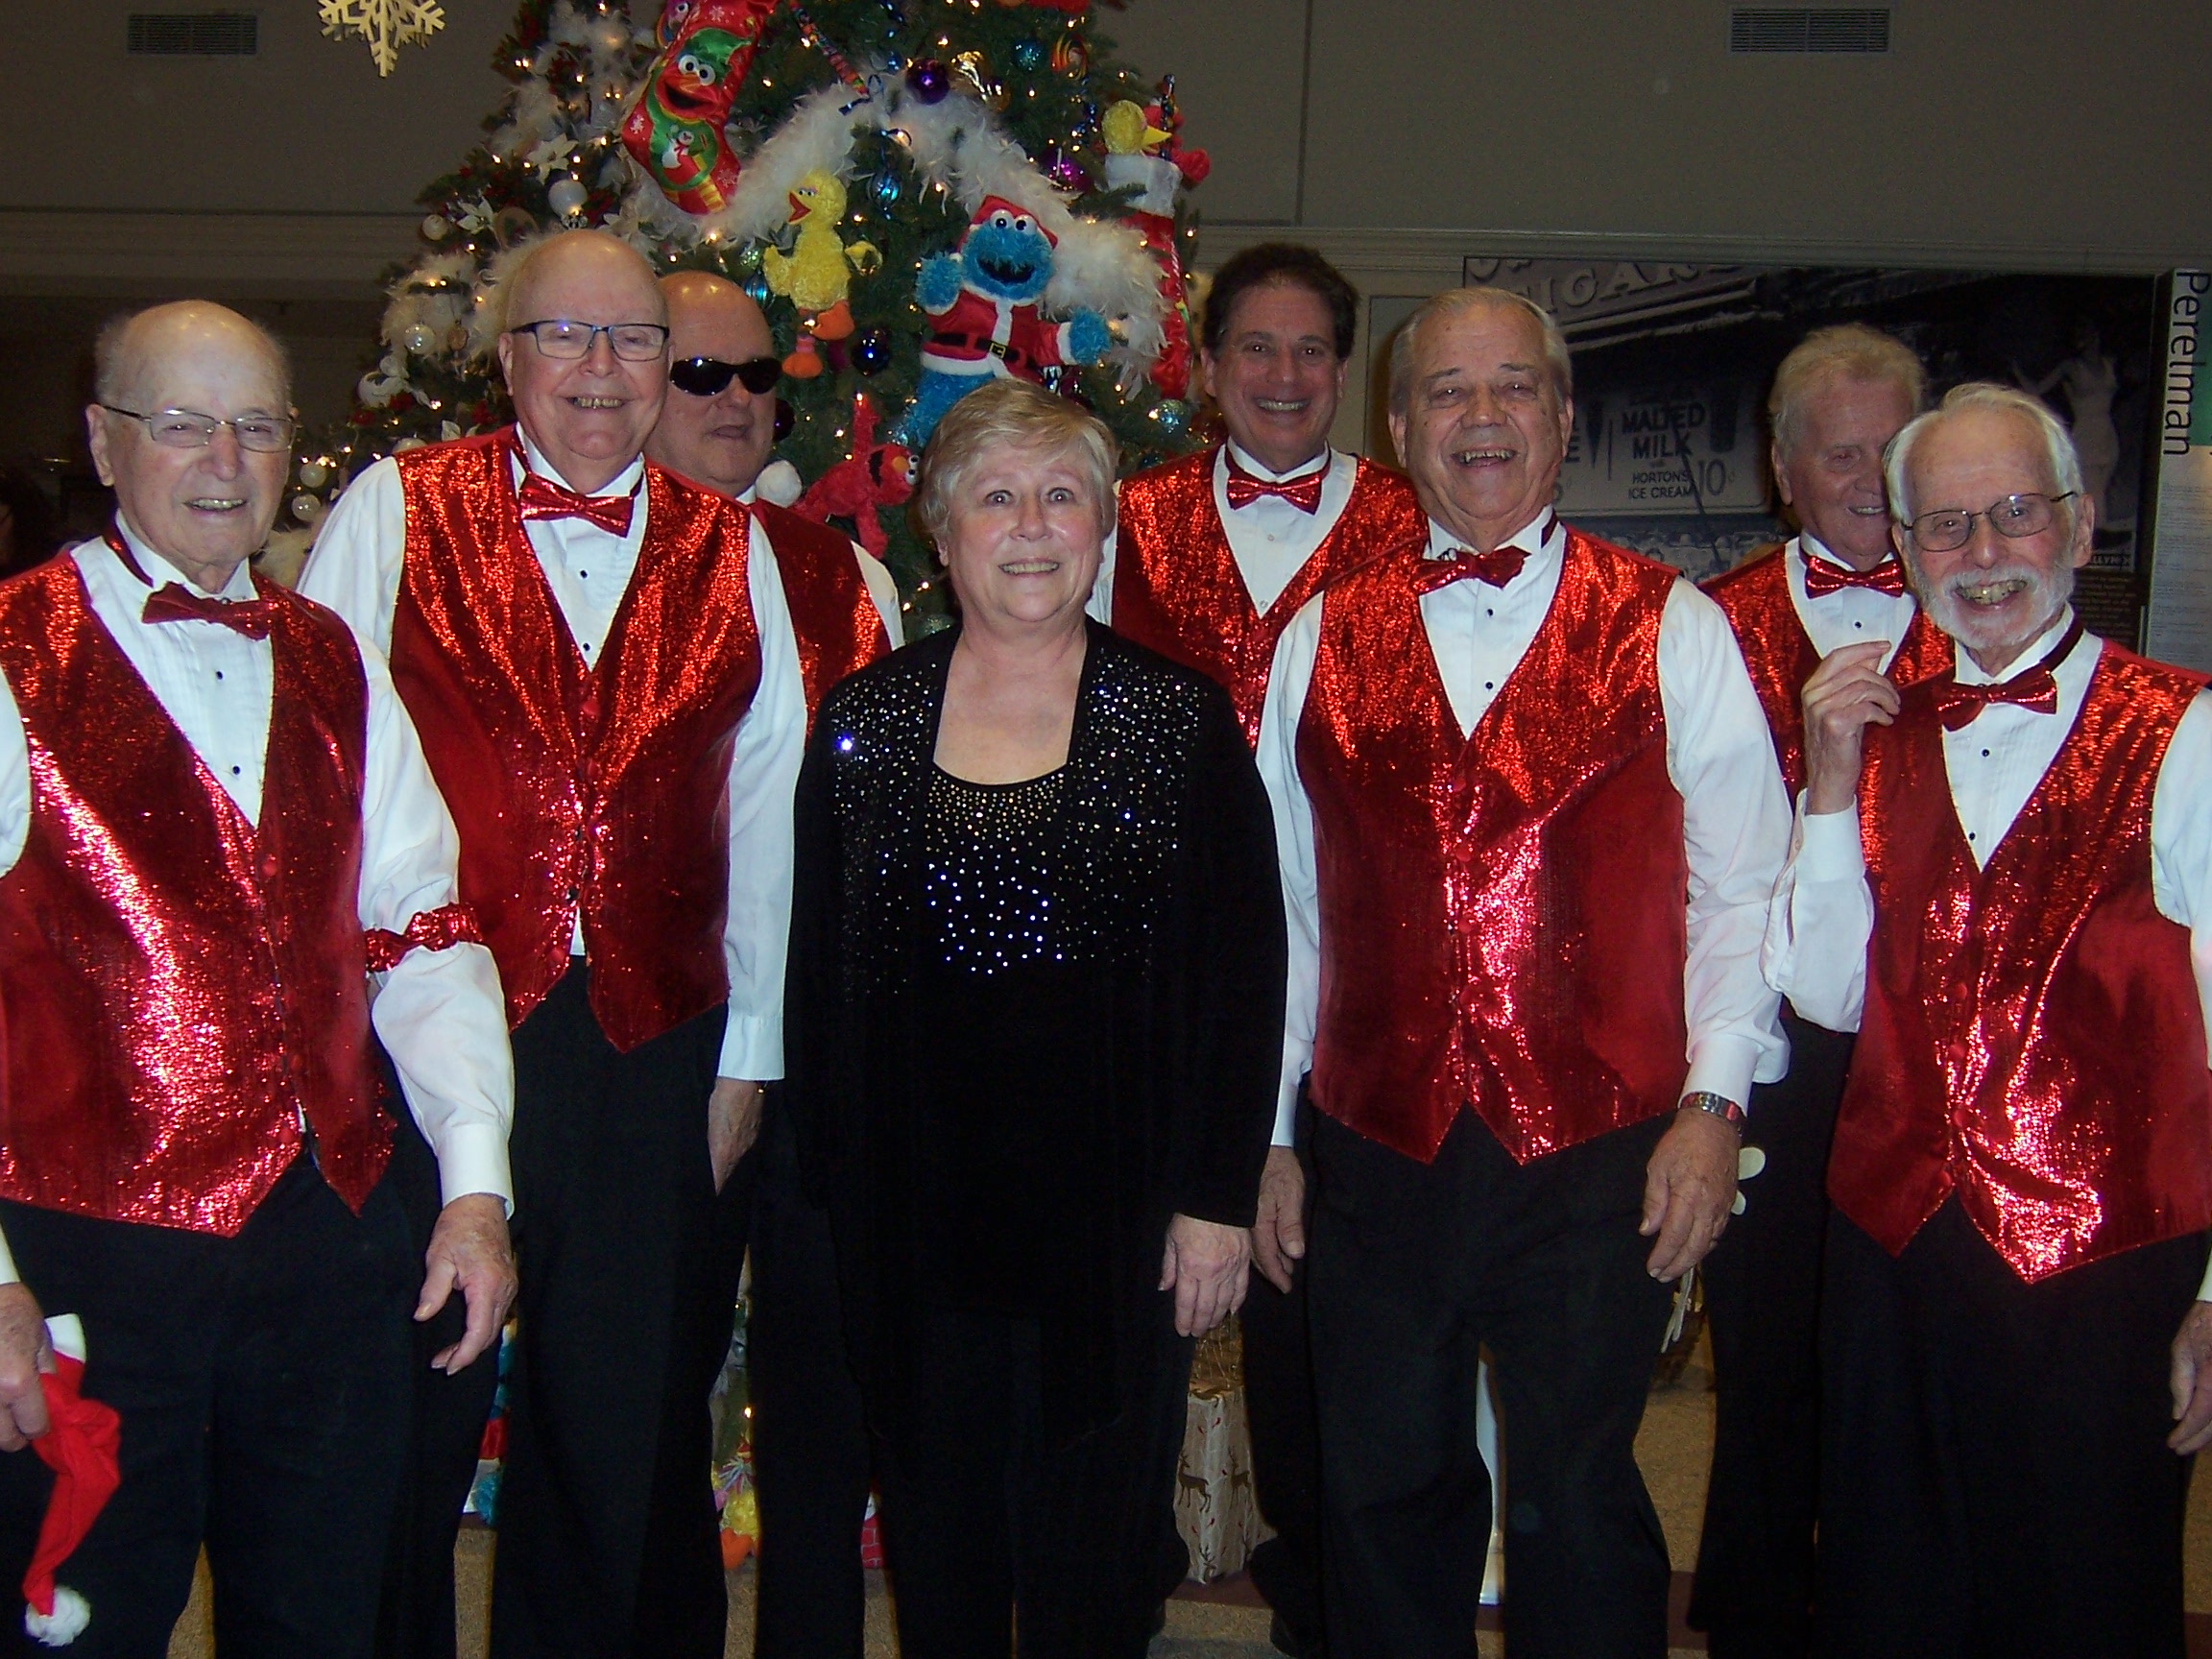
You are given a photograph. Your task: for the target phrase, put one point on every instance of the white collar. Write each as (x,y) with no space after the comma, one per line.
(1969,672)
(161,572)
(1812,547)
(624,483)
(1237,454)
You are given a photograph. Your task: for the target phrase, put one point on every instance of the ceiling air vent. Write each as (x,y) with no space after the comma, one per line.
(194,35)
(1809,28)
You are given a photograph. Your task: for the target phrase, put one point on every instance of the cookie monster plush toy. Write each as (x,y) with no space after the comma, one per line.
(983,303)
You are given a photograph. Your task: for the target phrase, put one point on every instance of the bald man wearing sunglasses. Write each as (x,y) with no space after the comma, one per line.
(809,1443)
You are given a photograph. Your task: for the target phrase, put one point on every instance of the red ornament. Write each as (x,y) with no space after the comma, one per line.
(674,130)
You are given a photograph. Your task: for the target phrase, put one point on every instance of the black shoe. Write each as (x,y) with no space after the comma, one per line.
(1280,1635)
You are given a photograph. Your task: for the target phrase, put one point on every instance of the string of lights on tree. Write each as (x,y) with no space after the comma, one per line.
(834,158)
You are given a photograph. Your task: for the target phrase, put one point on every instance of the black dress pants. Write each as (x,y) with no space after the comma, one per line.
(1285,1439)
(1996,1481)
(1416,1267)
(990,1529)
(810,1452)
(1754,1590)
(416,1619)
(262,1383)
(628,1259)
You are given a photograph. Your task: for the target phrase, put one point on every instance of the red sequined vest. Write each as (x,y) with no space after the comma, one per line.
(182,987)
(833,617)
(1781,657)
(1503,918)
(1176,585)
(604,789)
(2033,1037)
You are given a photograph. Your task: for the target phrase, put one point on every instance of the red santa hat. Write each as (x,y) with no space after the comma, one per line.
(991,205)
(81,1449)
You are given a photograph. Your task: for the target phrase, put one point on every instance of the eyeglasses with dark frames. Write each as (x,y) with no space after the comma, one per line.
(560,337)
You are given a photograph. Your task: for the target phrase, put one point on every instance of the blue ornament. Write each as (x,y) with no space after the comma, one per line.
(930,80)
(756,290)
(1172,416)
(871,349)
(888,187)
(1028,56)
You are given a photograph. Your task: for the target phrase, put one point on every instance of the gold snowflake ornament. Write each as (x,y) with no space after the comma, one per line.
(387,25)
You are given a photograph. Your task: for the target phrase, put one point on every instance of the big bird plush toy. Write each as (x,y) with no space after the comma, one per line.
(816,275)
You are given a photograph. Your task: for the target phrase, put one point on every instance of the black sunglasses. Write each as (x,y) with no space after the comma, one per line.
(705,376)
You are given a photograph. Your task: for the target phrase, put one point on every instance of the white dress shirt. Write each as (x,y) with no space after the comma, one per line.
(440,1012)
(1270,538)
(1823,913)
(355,570)
(874,574)
(1849,615)
(1735,819)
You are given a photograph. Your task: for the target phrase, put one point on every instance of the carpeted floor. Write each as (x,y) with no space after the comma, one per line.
(1226,1621)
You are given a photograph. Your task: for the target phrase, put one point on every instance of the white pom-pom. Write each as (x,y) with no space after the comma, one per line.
(65,1623)
(778,484)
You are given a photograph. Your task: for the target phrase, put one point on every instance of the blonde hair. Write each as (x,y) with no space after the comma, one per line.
(1457,302)
(1984,397)
(1849,351)
(1010,414)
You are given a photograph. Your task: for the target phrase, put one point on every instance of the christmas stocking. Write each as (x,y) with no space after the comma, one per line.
(674,130)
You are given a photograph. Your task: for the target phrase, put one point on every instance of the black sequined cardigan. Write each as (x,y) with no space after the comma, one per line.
(1166,845)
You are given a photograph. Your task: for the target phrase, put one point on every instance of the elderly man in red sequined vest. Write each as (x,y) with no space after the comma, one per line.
(1997,880)
(1529,820)
(599,656)
(215,822)
(810,1456)
(1215,554)
(1838,398)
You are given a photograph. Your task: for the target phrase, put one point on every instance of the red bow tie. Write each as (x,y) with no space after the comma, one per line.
(1497,568)
(1303,493)
(1822,578)
(1957,706)
(542,498)
(176,603)
(171,603)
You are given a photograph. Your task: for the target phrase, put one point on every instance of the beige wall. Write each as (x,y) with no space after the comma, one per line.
(1401,135)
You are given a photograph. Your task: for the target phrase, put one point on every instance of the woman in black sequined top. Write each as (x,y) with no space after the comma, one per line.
(1034,1028)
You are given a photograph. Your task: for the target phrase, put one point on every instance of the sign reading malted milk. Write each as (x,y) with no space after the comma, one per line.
(1690,450)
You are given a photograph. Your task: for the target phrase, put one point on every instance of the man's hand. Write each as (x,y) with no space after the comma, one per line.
(2192,1382)
(24,1351)
(732,1124)
(468,1248)
(1688,1187)
(1278,1230)
(1846,693)
(1209,1266)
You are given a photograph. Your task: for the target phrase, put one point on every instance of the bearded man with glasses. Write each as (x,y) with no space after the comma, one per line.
(600,657)
(1999,881)
(810,1461)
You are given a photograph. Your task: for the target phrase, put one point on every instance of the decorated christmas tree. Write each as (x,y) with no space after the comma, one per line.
(976,177)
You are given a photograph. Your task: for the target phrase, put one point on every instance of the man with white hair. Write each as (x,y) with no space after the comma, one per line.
(215,822)
(1998,883)
(596,651)
(1838,398)
(1529,820)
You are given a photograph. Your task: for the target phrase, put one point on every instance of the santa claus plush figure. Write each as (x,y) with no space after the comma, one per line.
(984,303)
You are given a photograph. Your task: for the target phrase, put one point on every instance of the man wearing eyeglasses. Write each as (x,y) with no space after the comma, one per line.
(810,1463)
(215,822)
(2000,882)
(598,654)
